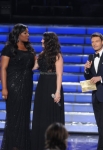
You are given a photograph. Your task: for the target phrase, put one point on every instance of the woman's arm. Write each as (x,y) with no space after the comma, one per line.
(4,65)
(36,66)
(59,72)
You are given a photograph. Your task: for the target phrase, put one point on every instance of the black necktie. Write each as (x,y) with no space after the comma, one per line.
(96,55)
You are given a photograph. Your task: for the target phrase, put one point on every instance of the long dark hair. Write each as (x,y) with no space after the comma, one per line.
(56,137)
(13,38)
(51,48)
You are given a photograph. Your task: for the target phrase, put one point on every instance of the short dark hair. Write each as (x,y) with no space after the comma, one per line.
(56,137)
(97,34)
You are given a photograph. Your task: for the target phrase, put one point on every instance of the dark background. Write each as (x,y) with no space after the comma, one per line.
(76,12)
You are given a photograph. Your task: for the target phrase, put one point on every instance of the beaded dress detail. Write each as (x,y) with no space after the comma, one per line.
(18,104)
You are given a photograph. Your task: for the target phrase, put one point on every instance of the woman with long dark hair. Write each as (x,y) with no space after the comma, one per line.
(49,100)
(17,62)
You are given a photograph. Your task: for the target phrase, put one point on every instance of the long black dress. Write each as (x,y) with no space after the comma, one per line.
(19,85)
(46,111)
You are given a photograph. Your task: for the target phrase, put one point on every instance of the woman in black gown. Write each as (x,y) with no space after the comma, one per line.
(17,62)
(46,108)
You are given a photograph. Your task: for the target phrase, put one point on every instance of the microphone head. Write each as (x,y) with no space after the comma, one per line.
(90,58)
(52,95)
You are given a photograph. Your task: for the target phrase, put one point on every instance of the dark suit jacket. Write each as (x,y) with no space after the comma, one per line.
(99,92)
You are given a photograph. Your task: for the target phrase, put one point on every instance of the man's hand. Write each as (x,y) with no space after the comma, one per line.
(88,65)
(95,79)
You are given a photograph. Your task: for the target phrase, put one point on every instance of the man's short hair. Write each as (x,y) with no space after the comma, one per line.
(97,34)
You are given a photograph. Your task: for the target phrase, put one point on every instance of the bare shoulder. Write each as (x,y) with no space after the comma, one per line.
(59,56)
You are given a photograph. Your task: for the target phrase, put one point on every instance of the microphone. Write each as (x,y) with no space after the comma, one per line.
(90,58)
(53,96)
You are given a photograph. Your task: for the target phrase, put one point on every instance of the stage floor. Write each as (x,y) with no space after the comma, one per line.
(82,142)
(78,141)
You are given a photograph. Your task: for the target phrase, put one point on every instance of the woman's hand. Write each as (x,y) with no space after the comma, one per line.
(57,97)
(4,93)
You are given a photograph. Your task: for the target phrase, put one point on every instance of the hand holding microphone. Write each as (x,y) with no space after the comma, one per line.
(53,96)
(88,64)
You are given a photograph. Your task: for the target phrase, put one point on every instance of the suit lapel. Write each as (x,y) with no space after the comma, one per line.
(100,62)
(92,67)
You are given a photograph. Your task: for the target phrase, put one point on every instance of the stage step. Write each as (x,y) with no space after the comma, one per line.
(66,49)
(70,97)
(68,87)
(62,39)
(69,107)
(81,128)
(70,117)
(74,122)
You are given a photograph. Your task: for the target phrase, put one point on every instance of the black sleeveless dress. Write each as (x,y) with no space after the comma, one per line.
(45,111)
(18,104)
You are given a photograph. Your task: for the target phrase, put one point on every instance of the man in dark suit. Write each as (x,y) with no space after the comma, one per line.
(94,72)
